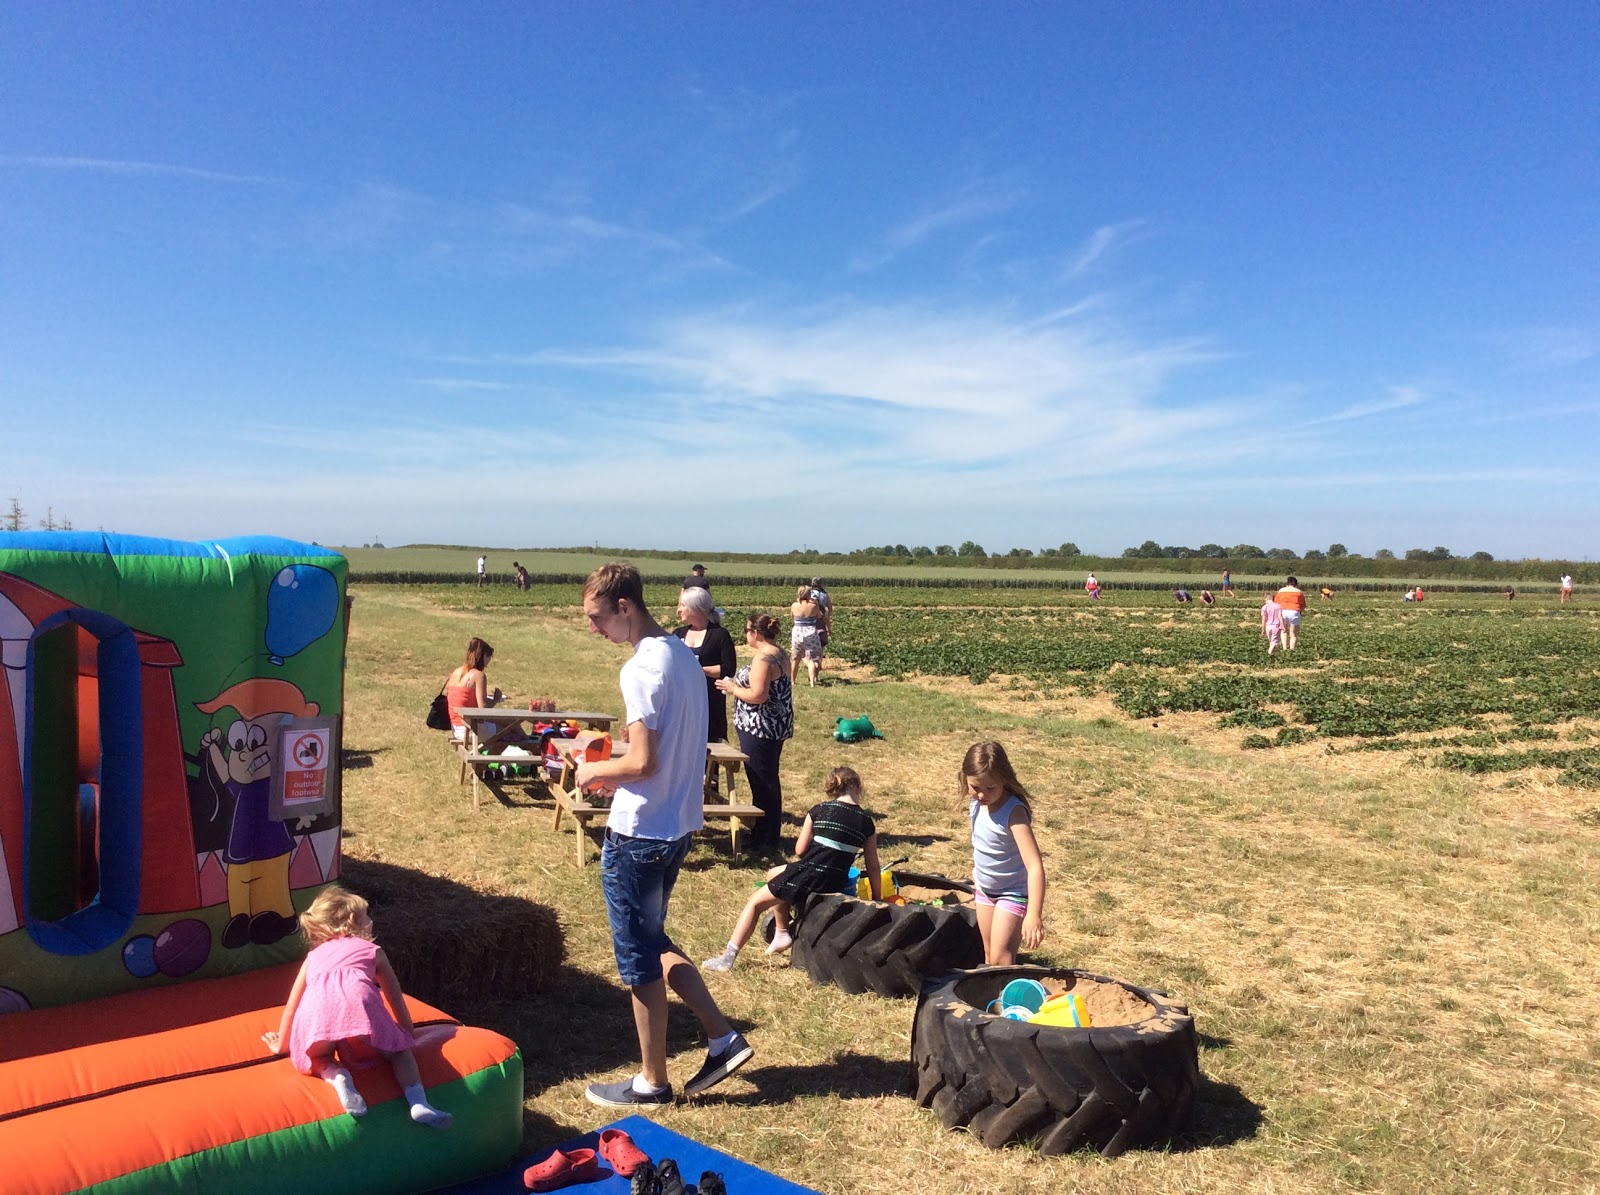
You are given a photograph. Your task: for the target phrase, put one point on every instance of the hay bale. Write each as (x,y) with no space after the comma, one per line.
(453,945)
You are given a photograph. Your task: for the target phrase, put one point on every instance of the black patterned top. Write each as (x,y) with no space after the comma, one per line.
(774,717)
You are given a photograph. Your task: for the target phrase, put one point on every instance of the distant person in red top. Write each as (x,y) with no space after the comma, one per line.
(1292,601)
(1419,594)
(1092,588)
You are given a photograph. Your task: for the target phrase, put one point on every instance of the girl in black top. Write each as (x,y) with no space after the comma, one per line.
(833,832)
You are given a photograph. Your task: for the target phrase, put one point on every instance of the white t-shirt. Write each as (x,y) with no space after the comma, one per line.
(483,563)
(663,687)
(1566,580)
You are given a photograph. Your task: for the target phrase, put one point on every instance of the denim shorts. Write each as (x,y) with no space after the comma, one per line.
(637,875)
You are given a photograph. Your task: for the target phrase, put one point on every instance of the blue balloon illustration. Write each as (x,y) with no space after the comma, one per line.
(301,606)
(139,956)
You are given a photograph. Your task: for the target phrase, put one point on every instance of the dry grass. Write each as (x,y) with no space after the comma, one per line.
(1391,966)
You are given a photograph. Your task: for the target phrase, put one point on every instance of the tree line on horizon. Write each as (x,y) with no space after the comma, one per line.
(16,519)
(1151,550)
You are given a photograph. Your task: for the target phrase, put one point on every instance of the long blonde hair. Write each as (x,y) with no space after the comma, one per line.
(336,913)
(989,758)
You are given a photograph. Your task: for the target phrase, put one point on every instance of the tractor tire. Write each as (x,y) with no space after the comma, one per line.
(1109,1088)
(866,946)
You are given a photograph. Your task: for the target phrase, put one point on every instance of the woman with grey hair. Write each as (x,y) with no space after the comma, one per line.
(705,635)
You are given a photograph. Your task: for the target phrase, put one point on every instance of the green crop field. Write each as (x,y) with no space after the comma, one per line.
(433,563)
(1371,673)
(1367,868)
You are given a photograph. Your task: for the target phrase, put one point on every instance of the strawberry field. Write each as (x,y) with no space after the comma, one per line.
(1468,676)
(1476,682)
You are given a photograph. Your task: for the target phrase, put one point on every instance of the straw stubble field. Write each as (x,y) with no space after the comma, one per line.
(1390,964)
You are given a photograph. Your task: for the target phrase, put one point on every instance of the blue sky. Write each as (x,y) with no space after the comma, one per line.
(753,276)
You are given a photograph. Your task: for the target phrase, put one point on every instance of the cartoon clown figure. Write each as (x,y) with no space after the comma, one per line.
(259,847)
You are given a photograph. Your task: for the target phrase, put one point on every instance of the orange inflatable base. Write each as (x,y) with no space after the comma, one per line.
(171,1089)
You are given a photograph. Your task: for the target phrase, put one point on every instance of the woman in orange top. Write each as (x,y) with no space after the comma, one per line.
(468,687)
(1293,602)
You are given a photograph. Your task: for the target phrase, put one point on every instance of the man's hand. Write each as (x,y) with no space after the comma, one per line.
(588,782)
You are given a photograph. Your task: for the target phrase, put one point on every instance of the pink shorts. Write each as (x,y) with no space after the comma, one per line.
(1011,902)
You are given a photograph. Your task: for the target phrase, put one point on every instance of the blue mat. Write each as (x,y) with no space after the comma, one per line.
(692,1158)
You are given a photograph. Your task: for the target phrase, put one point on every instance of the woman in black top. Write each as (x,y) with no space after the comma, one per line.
(713,647)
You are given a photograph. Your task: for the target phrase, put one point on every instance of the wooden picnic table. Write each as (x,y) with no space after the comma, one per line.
(585,808)
(512,727)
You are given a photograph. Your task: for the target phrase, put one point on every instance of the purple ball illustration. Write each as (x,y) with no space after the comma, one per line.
(139,956)
(12,1000)
(182,947)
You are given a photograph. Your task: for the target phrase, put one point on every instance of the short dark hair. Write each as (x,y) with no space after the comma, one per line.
(615,581)
(1294,580)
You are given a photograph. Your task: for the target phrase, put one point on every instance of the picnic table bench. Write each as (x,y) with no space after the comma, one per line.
(584,808)
(482,746)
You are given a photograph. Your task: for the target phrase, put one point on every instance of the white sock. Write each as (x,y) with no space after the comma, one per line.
(422,1111)
(644,1086)
(781,941)
(723,961)
(718,1044)
(345,1085)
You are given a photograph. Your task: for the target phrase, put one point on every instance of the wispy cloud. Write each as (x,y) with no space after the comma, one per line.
(497,235)
(778,178)
(124,167)
(901,391)
(463,385)
(979,202)
(1552,346)
(1100,243)
(1399,398)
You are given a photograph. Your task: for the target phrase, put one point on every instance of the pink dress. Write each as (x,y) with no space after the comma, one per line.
(342,1002)
(1271,619)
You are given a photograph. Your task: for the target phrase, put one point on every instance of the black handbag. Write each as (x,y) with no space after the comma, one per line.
(439,713)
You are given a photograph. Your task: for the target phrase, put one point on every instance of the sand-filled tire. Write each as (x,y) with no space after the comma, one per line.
(868,946)
(1110,1087)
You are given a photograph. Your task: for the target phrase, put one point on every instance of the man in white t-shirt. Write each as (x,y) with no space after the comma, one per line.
(656,807)
(1566,587)
(483,570)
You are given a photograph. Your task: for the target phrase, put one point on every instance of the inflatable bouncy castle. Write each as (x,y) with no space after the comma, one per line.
(170,747)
